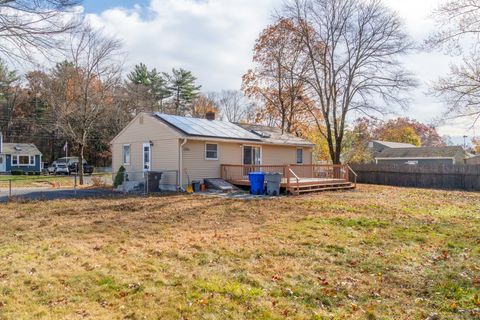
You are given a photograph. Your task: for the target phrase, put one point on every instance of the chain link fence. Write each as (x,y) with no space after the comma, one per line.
(146,182)
(50,187)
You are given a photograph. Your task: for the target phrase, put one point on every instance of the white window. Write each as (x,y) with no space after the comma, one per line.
(299,156)
(24,161)
(126,154)
(211,151)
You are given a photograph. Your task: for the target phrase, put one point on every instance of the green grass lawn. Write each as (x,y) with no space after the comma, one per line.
(374,253)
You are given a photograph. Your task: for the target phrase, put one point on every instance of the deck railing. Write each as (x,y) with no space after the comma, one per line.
(292,173)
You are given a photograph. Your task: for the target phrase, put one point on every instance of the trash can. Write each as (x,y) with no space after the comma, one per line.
(274,180)
(196,185)
(153,181)
(257,182)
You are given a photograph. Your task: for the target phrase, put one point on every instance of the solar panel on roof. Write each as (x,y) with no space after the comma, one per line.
(208,128)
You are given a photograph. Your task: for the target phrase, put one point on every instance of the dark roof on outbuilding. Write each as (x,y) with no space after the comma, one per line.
(390,144)
(421,152)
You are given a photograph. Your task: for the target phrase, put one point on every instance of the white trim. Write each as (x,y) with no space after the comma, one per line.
(218,151)
(129,154)
(23,165)
(3,164)
(180,162)
(149,156)
(253,146)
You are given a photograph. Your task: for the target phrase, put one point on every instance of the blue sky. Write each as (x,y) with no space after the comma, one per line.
(97,6)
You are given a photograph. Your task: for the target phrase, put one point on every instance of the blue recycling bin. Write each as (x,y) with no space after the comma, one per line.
(257,182)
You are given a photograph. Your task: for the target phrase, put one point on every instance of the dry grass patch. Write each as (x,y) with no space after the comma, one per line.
(375,253)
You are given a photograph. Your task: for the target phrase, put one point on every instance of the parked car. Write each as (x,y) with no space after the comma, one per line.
(58,168)
(87,169)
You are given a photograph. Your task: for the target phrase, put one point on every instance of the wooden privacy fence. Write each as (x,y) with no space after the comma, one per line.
(462,177)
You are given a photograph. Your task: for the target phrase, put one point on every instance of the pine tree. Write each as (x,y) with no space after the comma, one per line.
(154,83)
(140,75)
(184,90)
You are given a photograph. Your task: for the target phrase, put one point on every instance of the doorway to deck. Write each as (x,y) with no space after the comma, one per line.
(252,155)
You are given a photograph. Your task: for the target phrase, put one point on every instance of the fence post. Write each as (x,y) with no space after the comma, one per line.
(75,185)
(9,188)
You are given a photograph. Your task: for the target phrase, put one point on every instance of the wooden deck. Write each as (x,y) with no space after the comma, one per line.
(296,178)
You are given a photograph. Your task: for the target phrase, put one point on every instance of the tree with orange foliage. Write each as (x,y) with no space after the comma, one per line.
(277,81)
(202,104)
(408,131)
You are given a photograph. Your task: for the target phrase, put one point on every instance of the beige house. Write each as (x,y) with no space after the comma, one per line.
(195,149)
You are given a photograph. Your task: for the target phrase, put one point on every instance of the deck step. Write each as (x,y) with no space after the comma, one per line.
(320,188)
(333,184)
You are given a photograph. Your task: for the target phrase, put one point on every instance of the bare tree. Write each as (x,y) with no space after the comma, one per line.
(460,90)
(233,105)
(352,49)
(27,26)
(456,20)
(458,33)
(86,85)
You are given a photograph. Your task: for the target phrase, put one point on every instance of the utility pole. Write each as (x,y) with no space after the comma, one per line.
(465,142)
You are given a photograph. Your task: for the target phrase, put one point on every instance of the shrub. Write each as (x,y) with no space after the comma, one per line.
(18,172)
(30,173)
(119,177)
(98,182)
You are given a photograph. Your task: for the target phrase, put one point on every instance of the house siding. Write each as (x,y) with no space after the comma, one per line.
(198,168)
(166,155)
(278,155)
(164,151)
(36,168)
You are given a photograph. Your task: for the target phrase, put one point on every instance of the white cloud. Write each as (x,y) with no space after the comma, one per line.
(215,38)
(212,38)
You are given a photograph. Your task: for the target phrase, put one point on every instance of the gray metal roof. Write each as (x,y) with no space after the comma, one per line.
(421,152)
(390,144)
(27,149)
(208,128)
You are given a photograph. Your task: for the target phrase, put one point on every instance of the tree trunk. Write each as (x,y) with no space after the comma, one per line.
(80,164)
(53,143)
